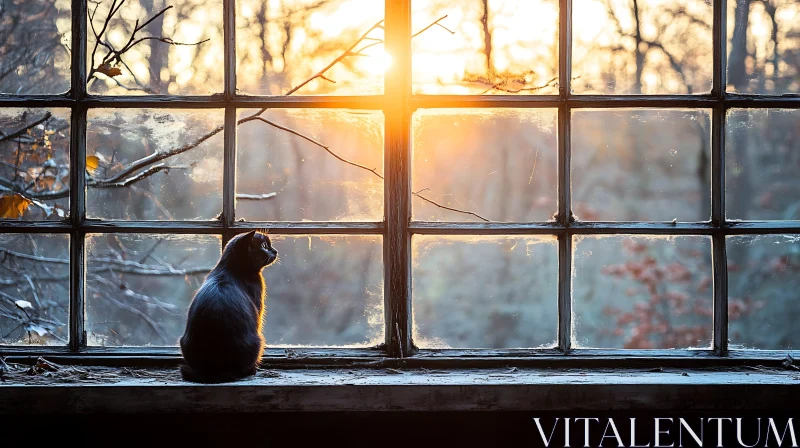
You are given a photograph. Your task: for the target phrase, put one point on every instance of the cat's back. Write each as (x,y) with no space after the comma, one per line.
(221,304)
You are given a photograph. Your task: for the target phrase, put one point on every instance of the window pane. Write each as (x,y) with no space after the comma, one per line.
(642,47)
(34,289)
(641,165)
(327,291)
(764,291)
(130,179)
(763,46)
(762,154)
(499,163)
(34,164)
(284,177)
(281,45)
(495,47)
(655,293)
(139,287)
(35,42)
(485,292)
(179,52)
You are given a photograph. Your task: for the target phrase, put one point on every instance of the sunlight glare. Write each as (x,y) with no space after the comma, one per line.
(377,62)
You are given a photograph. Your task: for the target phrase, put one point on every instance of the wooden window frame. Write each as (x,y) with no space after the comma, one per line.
(397,228)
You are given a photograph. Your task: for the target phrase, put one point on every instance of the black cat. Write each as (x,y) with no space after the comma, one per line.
(223,340)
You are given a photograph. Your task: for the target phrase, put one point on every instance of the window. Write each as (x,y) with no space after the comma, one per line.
(474,178)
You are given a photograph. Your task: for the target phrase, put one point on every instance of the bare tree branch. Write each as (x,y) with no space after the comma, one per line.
(346,53)
(113,55)
(119,265)
(24,129)
(256,197)
(139,176)
(357,165)
(142,168)
(499,86)
(436,23)
(156,328)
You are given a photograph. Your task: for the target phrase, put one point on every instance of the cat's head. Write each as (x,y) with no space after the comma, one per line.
(254,249)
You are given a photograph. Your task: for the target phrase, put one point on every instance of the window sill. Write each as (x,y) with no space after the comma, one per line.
(124,390)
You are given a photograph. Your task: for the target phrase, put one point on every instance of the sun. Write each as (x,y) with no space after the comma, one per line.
(377,62)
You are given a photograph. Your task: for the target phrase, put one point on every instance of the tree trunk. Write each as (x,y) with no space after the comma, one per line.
(737,74)
(487,38)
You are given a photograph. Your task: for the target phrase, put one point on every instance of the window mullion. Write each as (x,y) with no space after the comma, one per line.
(229,36)
(564,198)
(564,238)
(77,199)
(229,142)
(719,253)
(719,263)
(397,185)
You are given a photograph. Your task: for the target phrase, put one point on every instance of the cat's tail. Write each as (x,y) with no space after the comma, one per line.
(195,376)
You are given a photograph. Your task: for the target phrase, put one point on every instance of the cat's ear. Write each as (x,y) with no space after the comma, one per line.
(249,235)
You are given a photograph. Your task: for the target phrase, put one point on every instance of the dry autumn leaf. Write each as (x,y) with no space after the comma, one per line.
(92,163)
(13,206)
(108,70)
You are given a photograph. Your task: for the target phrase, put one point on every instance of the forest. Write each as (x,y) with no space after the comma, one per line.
(468,165)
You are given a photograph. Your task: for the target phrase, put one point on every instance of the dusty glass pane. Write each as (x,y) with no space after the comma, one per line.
(642,47)
(485,47)
(140,51)
(130,177)
(642,292)
(763,291)
(34,164)
(35,42)
(485,291)
(139,286)
(498,163)
(285,177)
(641,165)
(282,44)
(763,46)
(762,155)
(326,291)
(34,289)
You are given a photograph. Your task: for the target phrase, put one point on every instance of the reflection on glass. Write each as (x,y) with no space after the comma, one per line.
(485,47)
(762,155)
(139,286)
(654,293)
(641,165)
(326,291)
(35,42)
(642,47)
(498,163)
(485,292)
(141,50)
(763,291)
(130,179)
(34,289)
(282,44)
(284,177)
(763,46)
(34,164)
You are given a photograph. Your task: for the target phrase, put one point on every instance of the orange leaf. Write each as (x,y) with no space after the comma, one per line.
(108,70)
(13,206)
(92,163)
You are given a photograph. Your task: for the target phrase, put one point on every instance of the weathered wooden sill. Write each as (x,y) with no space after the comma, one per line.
(125,390)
